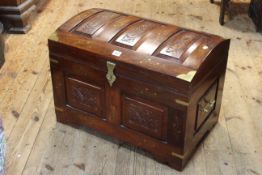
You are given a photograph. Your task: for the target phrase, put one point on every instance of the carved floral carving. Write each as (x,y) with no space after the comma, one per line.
(144,118)
(95,23)
(85,97)
(175,49)
(132,36)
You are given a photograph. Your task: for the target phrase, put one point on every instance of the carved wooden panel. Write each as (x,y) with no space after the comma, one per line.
(206,105)
(177,44)
(132,35)
(85,97)
(90,26)
(145,117)
(110,30)
(153,39)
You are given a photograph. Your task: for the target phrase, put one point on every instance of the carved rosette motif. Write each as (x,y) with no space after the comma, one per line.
(132,35)
(144,118)
(85,97)
(95,23)
(176,49)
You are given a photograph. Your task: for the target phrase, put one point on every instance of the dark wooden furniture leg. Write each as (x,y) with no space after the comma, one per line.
(224,4)
(255,13)
(222,11)
(2,58)
(15,15)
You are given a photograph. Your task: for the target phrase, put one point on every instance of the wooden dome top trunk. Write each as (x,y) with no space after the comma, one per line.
(153,85)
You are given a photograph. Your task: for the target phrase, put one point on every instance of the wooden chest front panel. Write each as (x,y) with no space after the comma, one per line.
(147,113)
(142,113)
(134,106)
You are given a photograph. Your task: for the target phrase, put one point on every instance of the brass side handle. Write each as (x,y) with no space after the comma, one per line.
(110,76)
(208,107)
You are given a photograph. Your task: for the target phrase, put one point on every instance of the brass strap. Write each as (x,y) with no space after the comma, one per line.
(59,109)
(53,61)
(181,102)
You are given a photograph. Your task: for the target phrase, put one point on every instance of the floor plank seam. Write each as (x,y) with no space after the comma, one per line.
(232,149)
(29,94)
(50,101)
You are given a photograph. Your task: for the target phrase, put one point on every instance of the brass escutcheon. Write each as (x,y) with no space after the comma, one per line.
(110,76)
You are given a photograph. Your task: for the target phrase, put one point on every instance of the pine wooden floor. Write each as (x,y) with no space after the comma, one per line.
(38,145)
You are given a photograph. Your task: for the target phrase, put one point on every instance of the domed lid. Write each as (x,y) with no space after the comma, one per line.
(178,46)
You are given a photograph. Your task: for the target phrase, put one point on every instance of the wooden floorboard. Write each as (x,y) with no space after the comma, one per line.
(38,145)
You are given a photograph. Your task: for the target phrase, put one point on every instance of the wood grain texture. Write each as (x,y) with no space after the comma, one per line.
(225,150)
